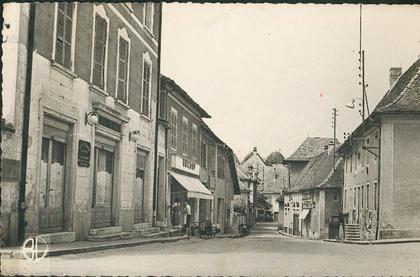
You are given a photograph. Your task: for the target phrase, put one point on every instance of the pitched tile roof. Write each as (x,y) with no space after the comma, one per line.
(311,147)
(275,179)
(319,173)
(404,96)
(274,158)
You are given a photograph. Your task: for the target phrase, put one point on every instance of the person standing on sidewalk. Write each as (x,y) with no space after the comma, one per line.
(188,214)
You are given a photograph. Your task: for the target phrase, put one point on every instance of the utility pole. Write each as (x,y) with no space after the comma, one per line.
(334,125)
(363,84)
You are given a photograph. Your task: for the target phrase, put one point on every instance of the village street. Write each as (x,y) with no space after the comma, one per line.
(263,252)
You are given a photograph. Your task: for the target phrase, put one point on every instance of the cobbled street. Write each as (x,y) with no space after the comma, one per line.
(263,252)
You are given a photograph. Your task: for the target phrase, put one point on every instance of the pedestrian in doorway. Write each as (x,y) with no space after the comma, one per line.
(176,209)
(188,214)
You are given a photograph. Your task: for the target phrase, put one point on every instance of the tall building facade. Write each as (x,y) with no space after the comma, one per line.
(91,127)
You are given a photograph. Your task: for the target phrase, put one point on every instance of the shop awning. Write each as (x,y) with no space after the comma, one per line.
(194,187)
(304,213)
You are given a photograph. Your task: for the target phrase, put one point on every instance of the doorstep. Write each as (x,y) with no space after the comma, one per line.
(379,241)
(87,246)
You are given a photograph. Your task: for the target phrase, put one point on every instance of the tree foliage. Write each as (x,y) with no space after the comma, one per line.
(261,202)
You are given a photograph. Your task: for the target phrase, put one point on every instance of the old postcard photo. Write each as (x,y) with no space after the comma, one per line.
(210,139)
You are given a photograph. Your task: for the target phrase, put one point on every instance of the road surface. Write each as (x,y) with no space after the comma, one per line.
(263,252)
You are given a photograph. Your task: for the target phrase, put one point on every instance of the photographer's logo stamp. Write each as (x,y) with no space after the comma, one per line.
(35,248)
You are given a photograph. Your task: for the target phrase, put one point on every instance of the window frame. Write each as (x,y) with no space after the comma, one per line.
(73,37)
(174,129)
(146,60)
(100,11)
(122,34)
(204,155)
(152,15)
(184,132)
(194,140)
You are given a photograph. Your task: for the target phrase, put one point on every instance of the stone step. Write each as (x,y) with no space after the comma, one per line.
(175,233)
(140,226)
(143,232)
(105,231)
(352,231)
(157,235)
(60,237)
(110,237)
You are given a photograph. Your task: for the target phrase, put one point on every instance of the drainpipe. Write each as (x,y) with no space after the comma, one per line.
(378,185)
(25,124)
(155,176)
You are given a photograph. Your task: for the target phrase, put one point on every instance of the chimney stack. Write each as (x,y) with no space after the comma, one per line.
(394,74)
(255,149)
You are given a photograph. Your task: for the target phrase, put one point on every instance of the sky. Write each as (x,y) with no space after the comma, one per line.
(270,74)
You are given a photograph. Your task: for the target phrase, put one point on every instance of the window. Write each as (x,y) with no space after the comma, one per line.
(345,200)
(148,16)
(220,166)
(204,155)
(375,195)
(367,196)
(194,141)
(184,135)
(363,196)
(174,123)
(100,52)
(64,34)
(122,75)
(145,101)
(354,198)
(351,163)
(335,196)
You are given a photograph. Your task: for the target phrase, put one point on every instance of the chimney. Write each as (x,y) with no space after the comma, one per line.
(394,74)
(255,149)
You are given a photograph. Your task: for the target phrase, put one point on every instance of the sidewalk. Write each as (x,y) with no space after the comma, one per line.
(379,241)
(87,246)
(362,242)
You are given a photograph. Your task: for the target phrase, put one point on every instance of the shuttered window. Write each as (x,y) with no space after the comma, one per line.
(122,70)
(148,16)
(184,135)
(99,52)
(194,141)
(64,34)
(174,124)
(145,108)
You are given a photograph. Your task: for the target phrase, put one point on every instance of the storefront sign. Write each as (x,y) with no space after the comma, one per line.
(83,154)
(306,200)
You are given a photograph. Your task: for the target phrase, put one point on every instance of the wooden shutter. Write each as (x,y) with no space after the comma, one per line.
(146,89)
(99,52)
(122,70)
(64,34)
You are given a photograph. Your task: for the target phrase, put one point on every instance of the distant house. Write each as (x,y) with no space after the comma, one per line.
(381,195)
(309,148)
(313,204)
(247,187)
(272,177)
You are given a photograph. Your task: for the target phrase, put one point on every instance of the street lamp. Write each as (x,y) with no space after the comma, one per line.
(351,105)
(91,118)
(134,136)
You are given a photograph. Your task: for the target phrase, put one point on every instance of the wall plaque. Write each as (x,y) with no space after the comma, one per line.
(83,154)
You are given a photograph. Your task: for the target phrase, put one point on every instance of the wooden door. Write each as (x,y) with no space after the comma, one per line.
(139,187)
(295,224)
(102,188)
(51,211)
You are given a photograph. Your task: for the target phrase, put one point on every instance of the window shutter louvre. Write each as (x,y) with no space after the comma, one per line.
(122,70)
(99,52)
(64,34)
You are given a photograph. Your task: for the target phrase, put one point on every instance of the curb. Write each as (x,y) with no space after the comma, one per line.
(382,241)
(61,252)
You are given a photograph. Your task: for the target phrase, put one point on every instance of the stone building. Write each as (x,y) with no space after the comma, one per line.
(89,74)
(381,195)
(272,179)
(201,166)
(313,204)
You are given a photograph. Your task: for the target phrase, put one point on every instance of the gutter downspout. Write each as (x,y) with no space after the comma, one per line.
(25,124)
(155,176)
(379,182)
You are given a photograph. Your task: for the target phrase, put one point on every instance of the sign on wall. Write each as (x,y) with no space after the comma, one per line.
(83,154)
(306,200)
